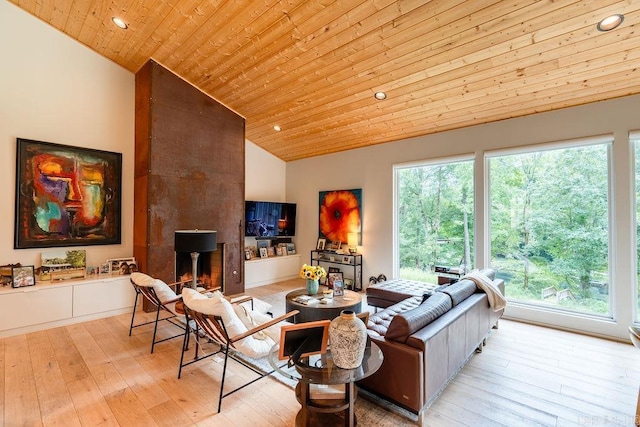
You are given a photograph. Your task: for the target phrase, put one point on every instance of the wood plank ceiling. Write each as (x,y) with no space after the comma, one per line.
(312,67)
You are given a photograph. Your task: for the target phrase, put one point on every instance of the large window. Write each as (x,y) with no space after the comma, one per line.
(549,213)
(434,218)
(635,139)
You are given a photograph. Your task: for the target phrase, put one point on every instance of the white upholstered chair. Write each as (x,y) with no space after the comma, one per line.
(234,327)
(163,298)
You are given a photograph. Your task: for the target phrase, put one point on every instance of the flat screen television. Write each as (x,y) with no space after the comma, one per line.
(269,219)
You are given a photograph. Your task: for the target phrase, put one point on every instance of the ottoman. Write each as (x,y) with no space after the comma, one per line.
(384,294)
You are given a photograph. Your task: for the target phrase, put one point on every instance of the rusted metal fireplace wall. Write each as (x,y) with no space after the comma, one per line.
(189,173)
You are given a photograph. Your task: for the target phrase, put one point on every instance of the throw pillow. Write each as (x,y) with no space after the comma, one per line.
(162,290)
(219,306)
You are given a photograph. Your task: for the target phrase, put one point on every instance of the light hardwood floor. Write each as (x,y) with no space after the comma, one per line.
(93,374)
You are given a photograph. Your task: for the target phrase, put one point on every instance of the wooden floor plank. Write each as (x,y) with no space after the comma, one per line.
(90,403)
(69,359)
(21,405)
(53,396)
(526,376)
(102,370)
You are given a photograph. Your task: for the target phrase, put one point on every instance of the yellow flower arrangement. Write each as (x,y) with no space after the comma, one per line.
(312,272)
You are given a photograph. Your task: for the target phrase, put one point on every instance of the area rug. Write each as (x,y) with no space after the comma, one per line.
(370,409)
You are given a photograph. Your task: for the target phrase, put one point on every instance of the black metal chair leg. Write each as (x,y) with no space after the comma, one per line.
(155,329)
(185,346)
(133,315)
(224,372)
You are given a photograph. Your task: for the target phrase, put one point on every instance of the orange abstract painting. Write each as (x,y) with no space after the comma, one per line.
(340,214)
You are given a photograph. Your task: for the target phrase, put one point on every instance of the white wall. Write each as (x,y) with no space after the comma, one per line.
(54,89)
(265,177)
(371,170)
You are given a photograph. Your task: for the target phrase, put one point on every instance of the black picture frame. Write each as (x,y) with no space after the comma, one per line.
(66,196)
(23,276)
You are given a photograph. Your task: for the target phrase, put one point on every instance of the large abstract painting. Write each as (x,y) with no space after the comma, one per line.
(66,196)
(340,214)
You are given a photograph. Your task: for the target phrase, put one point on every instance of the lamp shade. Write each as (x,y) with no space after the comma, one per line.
(195,241)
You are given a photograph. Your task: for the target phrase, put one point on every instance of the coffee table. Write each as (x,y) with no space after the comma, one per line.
(318,311)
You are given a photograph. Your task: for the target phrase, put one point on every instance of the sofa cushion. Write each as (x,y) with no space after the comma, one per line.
(406,323)
(459,291)
(379,322)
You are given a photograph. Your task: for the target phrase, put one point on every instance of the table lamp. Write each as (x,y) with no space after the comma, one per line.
(352,242)
(195,242)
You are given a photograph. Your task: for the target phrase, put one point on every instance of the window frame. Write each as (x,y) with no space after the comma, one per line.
(607,140)
(469,157)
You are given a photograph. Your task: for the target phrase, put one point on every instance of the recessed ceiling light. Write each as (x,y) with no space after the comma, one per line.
(277,128)
(380,96)
(119,22)
(610,22)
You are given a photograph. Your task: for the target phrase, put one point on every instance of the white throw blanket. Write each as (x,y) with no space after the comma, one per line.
(497,301)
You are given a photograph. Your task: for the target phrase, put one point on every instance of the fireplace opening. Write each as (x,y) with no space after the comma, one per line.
(210,273)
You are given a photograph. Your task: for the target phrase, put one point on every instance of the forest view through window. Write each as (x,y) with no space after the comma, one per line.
(636,144)
(434,218)
(549,215)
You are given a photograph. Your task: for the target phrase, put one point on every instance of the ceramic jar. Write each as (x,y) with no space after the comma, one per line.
(347,340)
(312,286)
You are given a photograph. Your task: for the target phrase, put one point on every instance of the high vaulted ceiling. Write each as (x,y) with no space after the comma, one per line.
(312,67)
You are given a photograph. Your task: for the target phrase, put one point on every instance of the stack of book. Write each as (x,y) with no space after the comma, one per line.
(306,299)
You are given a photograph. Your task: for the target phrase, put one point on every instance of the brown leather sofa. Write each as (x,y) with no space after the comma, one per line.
(426,343)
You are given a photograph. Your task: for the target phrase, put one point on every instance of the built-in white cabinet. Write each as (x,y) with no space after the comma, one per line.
(264,271)
(48,305)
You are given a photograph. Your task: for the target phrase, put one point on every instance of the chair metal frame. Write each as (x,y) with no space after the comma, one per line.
(213,328)
(150,295)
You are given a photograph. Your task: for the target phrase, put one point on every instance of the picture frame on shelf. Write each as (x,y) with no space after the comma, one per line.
(6,273)
(280,250)
(335,245)
(348,283)
(346,260)
(321,244)
(23,276)
(332,278)
(271,251)
(252,251)
(263,253)
(338,286)
(105,268)
(63,264)
(120,266)
(291,249)
(247,254)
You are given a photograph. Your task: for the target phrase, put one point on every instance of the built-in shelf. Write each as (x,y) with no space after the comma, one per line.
(264,271)
(52,304)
